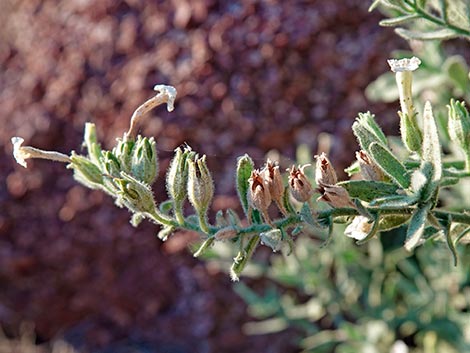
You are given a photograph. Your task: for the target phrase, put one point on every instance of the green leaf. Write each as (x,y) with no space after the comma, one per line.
(166,206)
(389,164)
(440,34)
(416,227)
(457,70)
(394,202)
(307,216)
(367,131)
(431,144)
(368,190)
(245,166)
(398,20)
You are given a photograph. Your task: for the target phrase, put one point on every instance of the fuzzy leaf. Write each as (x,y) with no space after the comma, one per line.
(368,190)
(368,131)
(457,70)
(416,227)
(245,166)
(431,145)
(440,34)
(398,20)
(394,202)
(390,165)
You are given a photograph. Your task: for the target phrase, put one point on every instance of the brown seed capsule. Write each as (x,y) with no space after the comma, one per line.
(258,193)
(300,187)
(324,171)
(273,179)
(336,196)
(369,170)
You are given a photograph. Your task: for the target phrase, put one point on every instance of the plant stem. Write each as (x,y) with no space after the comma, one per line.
(437,20)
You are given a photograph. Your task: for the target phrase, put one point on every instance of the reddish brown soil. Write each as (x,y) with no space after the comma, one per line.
(251,76)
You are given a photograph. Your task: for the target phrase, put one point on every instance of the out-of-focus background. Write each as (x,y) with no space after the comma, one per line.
(251,76)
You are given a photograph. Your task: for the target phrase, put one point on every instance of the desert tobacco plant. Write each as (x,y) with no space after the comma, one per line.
(387,191)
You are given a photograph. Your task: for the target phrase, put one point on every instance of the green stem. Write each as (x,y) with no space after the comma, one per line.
(439,21)
(203,223)
(159,218)
(179,213)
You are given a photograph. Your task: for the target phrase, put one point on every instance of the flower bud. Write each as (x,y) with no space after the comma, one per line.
(177,176)
(123,152)
(411,134)
(369,170)
(144,162)
(136,195)
(300,187)
(459,125)
(85,171)
(336,196)
(200,185)
(273,179)
(111,164)
(259,196)
(325,174)
(91,142)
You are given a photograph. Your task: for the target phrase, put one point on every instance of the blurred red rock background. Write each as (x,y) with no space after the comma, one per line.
(250,75)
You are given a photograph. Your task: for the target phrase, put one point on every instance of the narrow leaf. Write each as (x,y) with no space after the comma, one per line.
(394,202)
(368,190)
(440,34)
(397,20)
(431,145)
(390,165)
(245,166)
(416,227)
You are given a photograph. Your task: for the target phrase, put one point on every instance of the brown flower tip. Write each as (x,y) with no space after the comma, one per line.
(336,196)
(273,179)
(300,187)
(325,174)
(258,193)
(369,170)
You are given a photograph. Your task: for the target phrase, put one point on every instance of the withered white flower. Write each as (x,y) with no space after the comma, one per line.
(18,152)
(359,228)
(170,92)
(22,153)
(407,64)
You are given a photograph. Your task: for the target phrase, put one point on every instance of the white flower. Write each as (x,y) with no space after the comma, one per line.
(404,64)
(22,153)
(170,92)
(19,152)
(359,228)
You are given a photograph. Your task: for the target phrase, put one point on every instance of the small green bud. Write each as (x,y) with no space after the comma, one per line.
(85,171)
(200,185)
(91,143)
(459,125)
(136,195)
(177,176)
(272,238)
(368,131)
(144,162)
(245,166)
(123,152)
(411,134)
(111,164)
